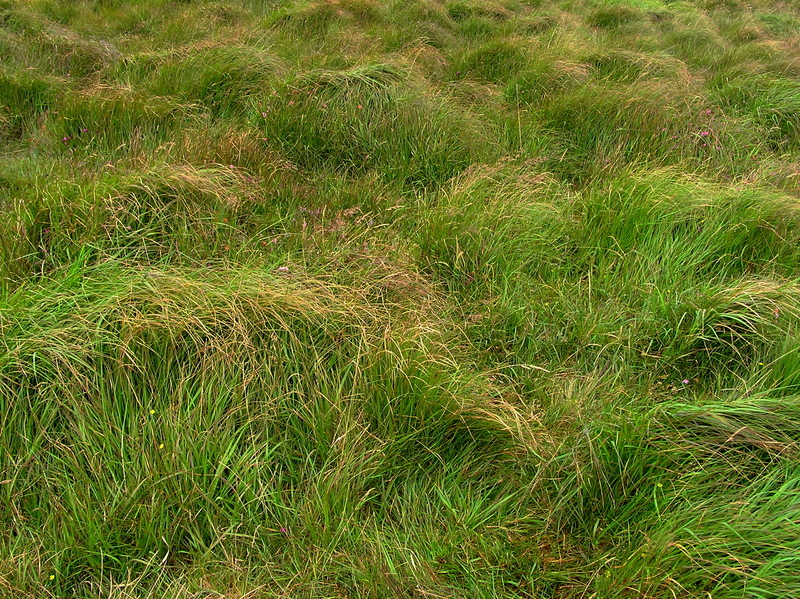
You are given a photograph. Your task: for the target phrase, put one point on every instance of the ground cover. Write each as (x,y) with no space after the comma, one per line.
(406,299)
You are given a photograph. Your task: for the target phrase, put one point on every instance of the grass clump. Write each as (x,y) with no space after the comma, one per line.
(370,118)
(223,79)
(493,62)
(298,326)
(772,103)
(612,15)
(141,122)
(355,299)
(25,99)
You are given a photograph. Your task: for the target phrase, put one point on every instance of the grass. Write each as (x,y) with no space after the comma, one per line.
(407,299)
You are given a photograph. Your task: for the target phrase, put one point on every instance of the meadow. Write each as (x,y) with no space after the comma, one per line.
(418,298)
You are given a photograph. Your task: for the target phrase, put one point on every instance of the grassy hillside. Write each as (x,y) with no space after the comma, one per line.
(416,298)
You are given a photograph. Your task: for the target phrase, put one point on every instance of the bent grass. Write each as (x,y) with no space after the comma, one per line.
(413,299)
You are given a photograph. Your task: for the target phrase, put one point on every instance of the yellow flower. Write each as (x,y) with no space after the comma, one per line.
(152,412)
(161,446)
(52,577)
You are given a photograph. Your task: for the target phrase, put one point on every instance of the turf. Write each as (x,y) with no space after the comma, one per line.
(419,298)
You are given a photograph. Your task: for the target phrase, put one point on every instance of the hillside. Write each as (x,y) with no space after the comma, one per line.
(416,298)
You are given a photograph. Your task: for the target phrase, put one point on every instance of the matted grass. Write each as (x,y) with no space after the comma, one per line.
(341,298)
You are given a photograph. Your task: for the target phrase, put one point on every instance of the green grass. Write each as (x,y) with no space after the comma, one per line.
(317,299)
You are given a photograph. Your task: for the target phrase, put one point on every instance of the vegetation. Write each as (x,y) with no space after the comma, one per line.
(419,298)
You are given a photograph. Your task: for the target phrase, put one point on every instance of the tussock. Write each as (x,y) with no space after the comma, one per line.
(342,298)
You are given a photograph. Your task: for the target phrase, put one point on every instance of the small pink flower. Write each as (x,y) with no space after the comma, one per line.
(283,530)
(704,133)
(291,103)
(359,106)
(685,381)
(264,114)
(283,269)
